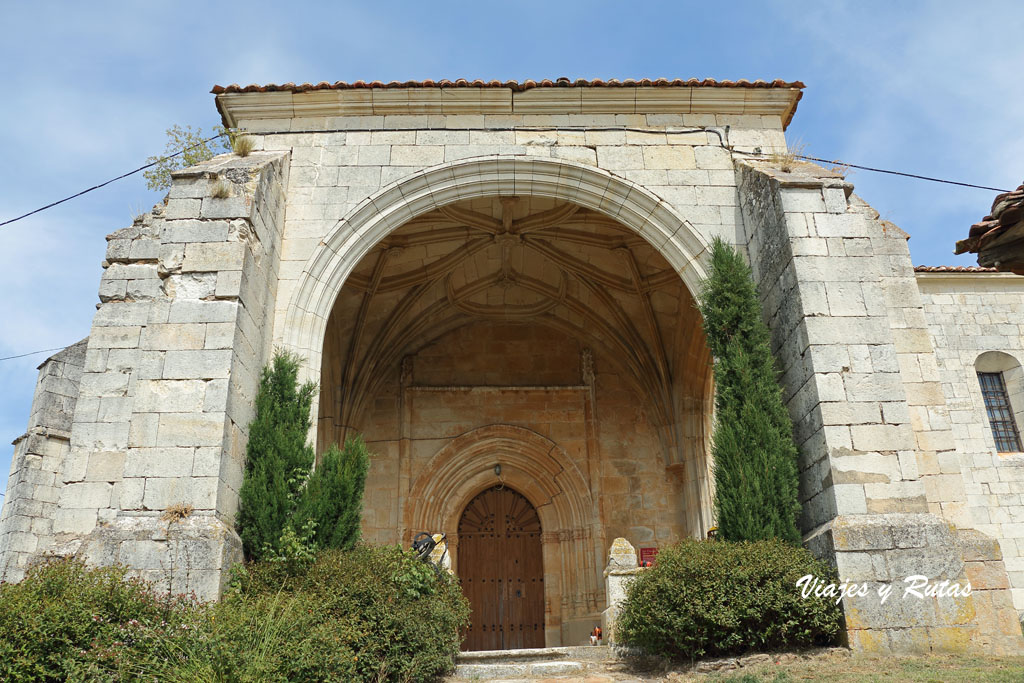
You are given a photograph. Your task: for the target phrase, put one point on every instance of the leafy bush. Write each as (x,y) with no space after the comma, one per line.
(67,622)
(277,458)
(288,510)
(719,597)
(369,614)
(190,147)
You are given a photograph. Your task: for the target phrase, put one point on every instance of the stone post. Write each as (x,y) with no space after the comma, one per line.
(622,567)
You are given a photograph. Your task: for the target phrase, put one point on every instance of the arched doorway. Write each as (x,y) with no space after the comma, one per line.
(501,571)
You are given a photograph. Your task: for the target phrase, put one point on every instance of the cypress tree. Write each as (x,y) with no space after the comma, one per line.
(278,459)
(755,458)
(333,497)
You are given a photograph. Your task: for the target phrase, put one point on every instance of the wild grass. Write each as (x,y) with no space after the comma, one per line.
(220,190)
(177,512)
(243,145)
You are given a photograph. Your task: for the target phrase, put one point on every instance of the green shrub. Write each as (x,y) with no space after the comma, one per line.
(67,622)
(333,497)
(277,457)
(288,509)
(755,459)
(719,597)
(369,614)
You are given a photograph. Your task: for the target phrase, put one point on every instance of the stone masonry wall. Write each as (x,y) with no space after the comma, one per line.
(976,318)
(171,370)
(849,335)
(34,483)
(333,172)
(820,286)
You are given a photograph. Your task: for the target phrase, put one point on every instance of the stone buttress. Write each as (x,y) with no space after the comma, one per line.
(879,501)
(166,385)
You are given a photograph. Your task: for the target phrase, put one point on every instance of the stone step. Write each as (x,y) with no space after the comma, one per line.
(579,652)
(498,670)
(487,665)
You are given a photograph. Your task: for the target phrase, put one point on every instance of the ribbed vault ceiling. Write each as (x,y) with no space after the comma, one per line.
(526,259)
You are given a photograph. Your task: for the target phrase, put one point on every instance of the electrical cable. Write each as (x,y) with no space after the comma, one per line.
(722,140)
(32,353)
(879,170)
(123,175)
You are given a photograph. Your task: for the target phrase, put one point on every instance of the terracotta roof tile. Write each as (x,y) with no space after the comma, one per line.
(1007,211)
(953,269)
(512,85)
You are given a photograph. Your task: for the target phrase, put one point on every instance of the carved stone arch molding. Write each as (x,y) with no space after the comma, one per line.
(375,217)
(539,469)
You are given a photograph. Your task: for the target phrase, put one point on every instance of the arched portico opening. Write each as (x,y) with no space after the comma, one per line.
(355,234)
(518,294)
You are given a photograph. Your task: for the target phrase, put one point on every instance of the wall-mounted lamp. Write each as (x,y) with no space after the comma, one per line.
(497,470)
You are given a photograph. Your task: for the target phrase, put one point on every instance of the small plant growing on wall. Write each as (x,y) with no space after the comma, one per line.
(755,459)
(221,190)
(242,145)
(185,147)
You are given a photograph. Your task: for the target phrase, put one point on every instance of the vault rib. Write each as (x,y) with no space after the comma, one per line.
(545,219)
(657,341)
(435,270)
(587,238)
(357,330)
(473,219)
(576,266)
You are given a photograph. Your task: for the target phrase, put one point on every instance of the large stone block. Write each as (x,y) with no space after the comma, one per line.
(190,429)
(198,364)
(213,256)
(180,555)
(912,555)
(169,396)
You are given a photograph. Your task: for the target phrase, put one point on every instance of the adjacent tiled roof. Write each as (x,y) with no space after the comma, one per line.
(953,269)
(512,85)
(1007,212)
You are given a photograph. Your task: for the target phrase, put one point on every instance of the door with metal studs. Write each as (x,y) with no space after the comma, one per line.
(501,570)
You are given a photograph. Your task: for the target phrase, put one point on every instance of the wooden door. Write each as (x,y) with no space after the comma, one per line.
(502,572)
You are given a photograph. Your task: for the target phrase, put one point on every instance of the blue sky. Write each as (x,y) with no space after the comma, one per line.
(89,89)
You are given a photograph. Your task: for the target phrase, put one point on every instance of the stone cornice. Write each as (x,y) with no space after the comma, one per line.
(237,108)
(962,277)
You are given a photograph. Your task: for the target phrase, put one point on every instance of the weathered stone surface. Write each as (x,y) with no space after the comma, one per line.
(171,553)
(622,555)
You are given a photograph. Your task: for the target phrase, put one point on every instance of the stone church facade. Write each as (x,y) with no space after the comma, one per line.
(494,284)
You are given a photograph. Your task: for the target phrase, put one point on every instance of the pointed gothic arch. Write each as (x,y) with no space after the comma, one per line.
(376,216)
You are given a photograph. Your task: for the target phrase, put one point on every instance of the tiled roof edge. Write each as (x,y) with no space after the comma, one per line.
(954,269)
(512,85)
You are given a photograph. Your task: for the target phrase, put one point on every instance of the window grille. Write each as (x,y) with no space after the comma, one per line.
(1000,414)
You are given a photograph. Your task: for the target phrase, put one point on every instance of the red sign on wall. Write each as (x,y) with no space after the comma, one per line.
(648,555)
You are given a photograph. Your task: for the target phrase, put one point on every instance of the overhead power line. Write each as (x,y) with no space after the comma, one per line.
(879,170)
(103,184)
(32,353)
(514,128)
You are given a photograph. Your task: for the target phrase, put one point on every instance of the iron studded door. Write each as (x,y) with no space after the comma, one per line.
(501,570)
